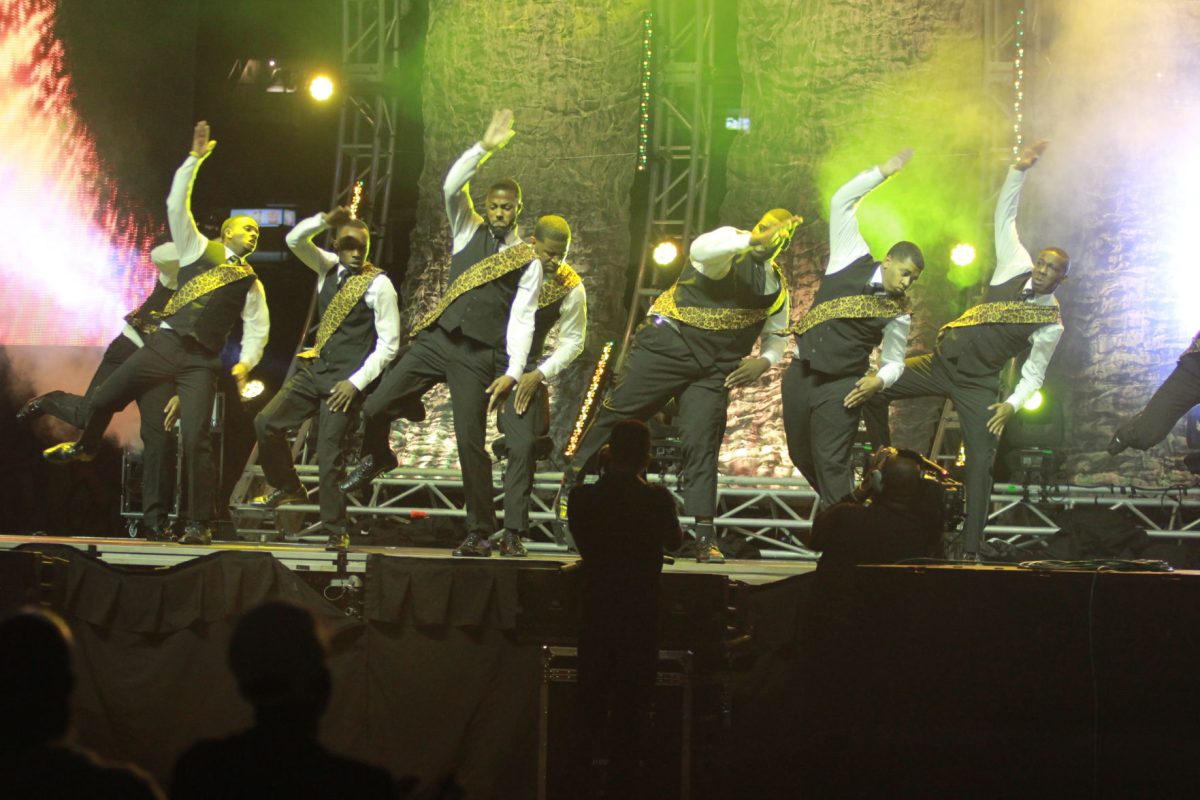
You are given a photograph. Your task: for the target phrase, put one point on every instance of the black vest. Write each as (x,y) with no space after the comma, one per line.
(157,300)
(980,350)
(482,313)
(842,347)
(744,286)
(543,321)
(348,346)
(209,318)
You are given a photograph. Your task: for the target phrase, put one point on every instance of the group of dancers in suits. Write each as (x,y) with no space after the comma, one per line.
(486,339)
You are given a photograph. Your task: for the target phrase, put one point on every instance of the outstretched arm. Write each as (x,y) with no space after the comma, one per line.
(256,326)
(460,210)
(1011,256)
(572,332)
(846,243)
(187,237)
(519,335)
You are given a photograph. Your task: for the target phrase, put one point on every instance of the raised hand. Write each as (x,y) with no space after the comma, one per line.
(775,233)
(896,162)
(201,143)
(499,131)
(1030,155)
(337,216)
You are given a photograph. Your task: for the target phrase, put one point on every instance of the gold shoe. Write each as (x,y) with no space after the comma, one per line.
(66,452)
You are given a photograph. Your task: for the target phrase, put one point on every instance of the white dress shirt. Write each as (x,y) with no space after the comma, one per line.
(1011,260)
(464,222)
(380,297)
(712,255)
(256,320)
(572,330)
(847,245)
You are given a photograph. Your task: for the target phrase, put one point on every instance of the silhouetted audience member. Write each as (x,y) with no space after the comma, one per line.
(896,514)
(621,525)
(277,655)
(36,760)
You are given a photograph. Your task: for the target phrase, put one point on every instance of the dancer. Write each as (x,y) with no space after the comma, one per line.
(357,336)
(1018,312)
(860,304)
(695,348)
(1177,394)
(486,313)
(525,417)
(70,408)
(216,288)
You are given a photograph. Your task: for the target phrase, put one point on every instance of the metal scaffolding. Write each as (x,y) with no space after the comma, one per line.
(681,137)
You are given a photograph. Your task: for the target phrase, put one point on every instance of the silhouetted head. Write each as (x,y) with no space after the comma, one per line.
(901,475)
(629,447)
(277,656)
(35,679)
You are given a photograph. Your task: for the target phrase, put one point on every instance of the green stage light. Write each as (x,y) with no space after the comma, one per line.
(1034,402)
(321,88)
(962,254)
(665,253)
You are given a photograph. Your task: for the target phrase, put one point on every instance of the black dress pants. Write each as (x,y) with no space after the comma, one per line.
(933,376)
(661,367)
(1178,393)
(521,432)
(467,367)
(820,429)
(168,358)
(302,396)
(157,469)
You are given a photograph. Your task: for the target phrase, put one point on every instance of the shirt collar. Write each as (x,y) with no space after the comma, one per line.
(1038,299)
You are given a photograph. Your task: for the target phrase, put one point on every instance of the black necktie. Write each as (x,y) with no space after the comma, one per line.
(333,282)
(1026,295)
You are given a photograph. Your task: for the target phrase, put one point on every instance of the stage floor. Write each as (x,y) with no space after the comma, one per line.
(315,558)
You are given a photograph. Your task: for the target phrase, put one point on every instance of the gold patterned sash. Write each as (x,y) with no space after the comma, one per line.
(489,269)
(854,306)
(718,319)
(347,297)
(1006,312)
(208,281)
(558,285)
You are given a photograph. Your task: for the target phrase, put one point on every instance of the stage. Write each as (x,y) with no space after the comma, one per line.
(997,678)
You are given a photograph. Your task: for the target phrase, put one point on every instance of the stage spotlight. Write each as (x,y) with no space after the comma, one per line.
(1034,402)
(321,88)
(252,389)
(962,254)
(665,253)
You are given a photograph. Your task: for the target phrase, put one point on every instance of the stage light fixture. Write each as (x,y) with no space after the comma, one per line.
(252,389)
(962,254)
(321,88)
(665,253)
(1034,402)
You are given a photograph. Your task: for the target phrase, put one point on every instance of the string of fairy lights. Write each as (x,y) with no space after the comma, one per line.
(643,150)
(588,399)
(356,199)
(1019,82)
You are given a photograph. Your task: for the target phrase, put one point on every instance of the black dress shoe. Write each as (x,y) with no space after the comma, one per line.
(707,551)
(66,452)
(366,471)
(160,535)
(196,533)
(474,545)
(511,545)
(1115,445)
(280,497)
(34,407)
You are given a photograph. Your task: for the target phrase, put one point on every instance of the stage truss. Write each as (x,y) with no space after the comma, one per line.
(756,517)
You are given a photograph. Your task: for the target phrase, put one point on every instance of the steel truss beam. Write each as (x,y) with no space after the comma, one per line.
(769,512)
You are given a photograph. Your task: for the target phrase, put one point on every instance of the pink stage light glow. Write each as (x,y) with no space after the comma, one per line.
(75,258)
